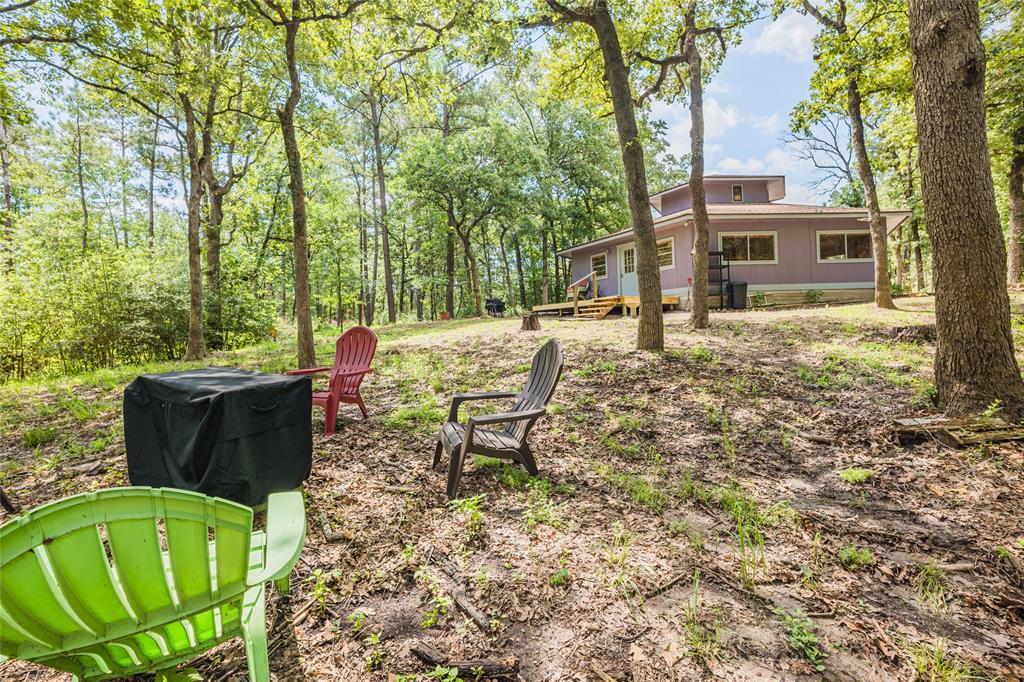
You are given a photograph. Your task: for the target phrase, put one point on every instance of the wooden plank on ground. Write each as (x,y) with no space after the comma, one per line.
(958,433)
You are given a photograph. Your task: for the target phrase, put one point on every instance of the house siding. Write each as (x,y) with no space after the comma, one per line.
(797,256)
(716,192)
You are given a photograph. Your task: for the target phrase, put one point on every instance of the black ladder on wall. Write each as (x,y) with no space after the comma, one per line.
(718,277)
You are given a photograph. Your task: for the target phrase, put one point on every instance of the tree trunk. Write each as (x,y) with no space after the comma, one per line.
(914,226)
(196,347)
(79,167)
(150,199)
(214,308)
(123,174)
(472,270)
(389,282)
(519,272)
(974,358)
(701,222)
(306,354)
(651,330)
(879,238)
(8,218)
(1015,190)
(544,284)
(509,290)
(900,262)
(449,271)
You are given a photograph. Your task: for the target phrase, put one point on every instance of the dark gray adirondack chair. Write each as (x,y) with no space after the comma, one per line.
(460,441)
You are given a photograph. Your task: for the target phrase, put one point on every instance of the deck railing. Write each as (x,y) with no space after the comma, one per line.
(575,287)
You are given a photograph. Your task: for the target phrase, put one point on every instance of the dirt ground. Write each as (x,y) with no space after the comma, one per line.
(736,508)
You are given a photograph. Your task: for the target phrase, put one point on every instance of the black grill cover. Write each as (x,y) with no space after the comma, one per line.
(219,431)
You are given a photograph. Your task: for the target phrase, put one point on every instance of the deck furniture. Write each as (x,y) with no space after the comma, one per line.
(718,277)
(352,357)
(219,431)
(583,288)
(508,441)
(123,581)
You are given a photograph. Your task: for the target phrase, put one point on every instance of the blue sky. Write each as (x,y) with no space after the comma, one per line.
(747,105)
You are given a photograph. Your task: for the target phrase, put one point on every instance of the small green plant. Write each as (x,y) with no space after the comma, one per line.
(321,590)
(636,487)
(358,619)
(989,413)
(375,659)
(702,355)
(438,603)
(39,436)
(812,296)
(560,578)
(803,639)
(540,510)
(475,532)
(934,663)
(855,558)
(703,640)
(815,573)
(760,299)
(931,586)
(606,367)
(855,475)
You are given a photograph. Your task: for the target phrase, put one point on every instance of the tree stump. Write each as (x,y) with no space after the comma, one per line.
(531,322)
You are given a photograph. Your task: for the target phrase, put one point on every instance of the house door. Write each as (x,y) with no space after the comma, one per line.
(628,285)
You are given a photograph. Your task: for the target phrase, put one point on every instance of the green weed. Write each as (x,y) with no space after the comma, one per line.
(931,586)
(470,507)
(934,663)
(703,640)
(803,639)
(636,488)
(37,436)
(855,475)
(855,558)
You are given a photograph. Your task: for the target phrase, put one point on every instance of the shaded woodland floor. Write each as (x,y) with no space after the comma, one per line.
(735,508)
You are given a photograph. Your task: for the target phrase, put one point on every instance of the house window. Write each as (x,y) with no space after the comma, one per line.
(750,247)
(844,245)
(737,192)
(599,264)
(628,261)
(666,254)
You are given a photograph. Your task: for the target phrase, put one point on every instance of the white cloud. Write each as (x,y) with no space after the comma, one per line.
(769,125)
(718,88)
(790,36)
(804,194)
(775,162)
(719,119)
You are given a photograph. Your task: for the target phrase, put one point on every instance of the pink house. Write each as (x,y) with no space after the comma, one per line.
(771,245)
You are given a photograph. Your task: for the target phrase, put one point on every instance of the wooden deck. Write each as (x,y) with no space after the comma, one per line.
(599,308)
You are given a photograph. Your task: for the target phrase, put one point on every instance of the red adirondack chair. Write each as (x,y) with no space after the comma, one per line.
(352,357)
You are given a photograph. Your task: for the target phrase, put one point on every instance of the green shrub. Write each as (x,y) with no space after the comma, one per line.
(39,436)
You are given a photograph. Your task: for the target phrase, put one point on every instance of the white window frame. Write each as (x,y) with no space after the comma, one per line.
(733,190)
(600,253)
(752,233)
(672,245)
(817,245)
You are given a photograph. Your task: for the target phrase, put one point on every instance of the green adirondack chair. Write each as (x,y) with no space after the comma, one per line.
(128,580)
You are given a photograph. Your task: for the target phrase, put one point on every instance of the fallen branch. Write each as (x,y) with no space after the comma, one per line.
(665,587)
(6,503)
(507,667)
(475,614)
(330,535)
(812,437)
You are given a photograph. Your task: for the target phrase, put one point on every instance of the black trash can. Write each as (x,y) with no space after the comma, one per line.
(219,431)
(737,295)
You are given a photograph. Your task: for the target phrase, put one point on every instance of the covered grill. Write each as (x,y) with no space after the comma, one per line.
(219,431)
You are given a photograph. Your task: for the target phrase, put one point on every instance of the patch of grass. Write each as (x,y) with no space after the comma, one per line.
(606,367)
(423,415)
(934,663)
(438,604)
(37,436)
(855,558)
(932,586)
(637,488)
(702,355)
(470,508)
(855,475)
(703,638)
(560,578)
(540,510)
(80,409)
(803,639)
(815,573)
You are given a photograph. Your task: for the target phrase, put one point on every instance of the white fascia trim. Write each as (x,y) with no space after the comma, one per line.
(824,286)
